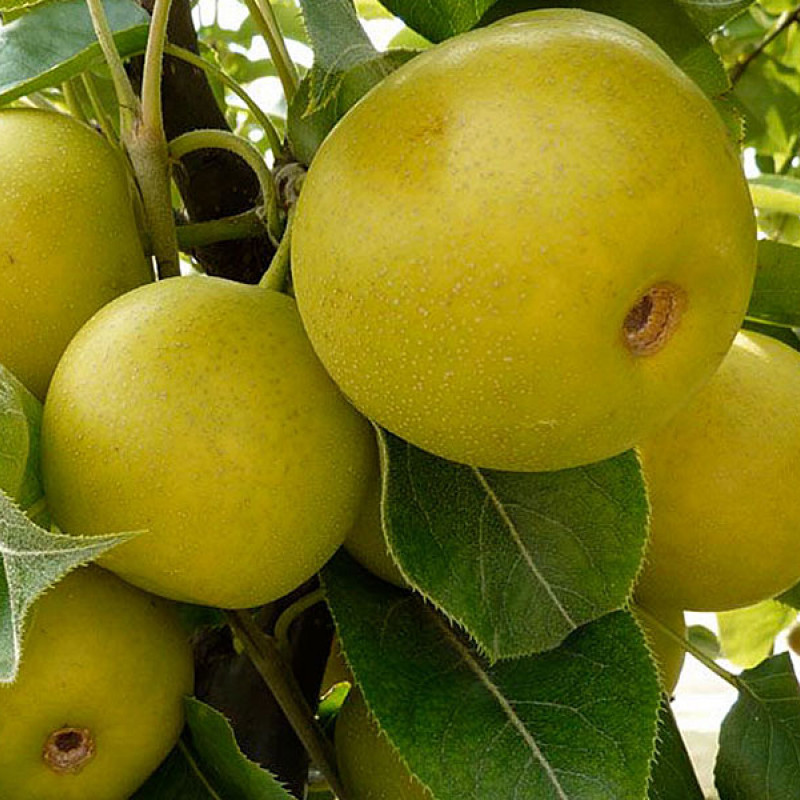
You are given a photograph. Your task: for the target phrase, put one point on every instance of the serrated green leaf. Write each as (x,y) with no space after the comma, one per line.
(520,560)
(672,776)
(710,14)
(225,766)
(290,20)
(759,743)
(307,130)
(767,91)
(665,22)
(20,424)
(371,9)
(438,20)
(577,722)
(33,560)
(339,43)
(55,41)
(747,635)
(776,293)
(207,764)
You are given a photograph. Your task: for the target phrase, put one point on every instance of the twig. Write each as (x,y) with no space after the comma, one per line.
(271,664)
(785,21)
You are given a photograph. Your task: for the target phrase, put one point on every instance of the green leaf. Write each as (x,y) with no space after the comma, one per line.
(776,294)
(520,560)
(20,424)
(776,193)
(748,634)
(290,20)
(779,332)
(307,130)
(666,22)
(438,20)
(711,14)
(409,40)
(208,765)
(767,92)
(339,43)
(704,640)
(15,5)
(791,597)
(759,743)
(577,722)
(33,560)
(55,41)
(672,776)
(777,6)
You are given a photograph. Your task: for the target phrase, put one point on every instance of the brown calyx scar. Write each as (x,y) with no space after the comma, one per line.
(655,317)
(68,750)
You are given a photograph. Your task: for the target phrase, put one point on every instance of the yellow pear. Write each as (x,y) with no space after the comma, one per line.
(528,246)
(195,410)
(98,702)
(369,765)
(366,541)
(70,242)
(667,654)
(725,519)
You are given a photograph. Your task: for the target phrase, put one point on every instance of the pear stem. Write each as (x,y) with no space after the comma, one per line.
(290,614)
(277,674)
(239,226)
(225,140)
(146,144)
(277,272)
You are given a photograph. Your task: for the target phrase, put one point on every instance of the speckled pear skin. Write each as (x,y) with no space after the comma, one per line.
(668,655)
(70,242)
(473,235)
(721,476)
(106,659)
(366,541)
(195,410)
(370,767)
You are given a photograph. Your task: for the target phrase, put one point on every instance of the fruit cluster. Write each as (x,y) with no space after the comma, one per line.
(529,249)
